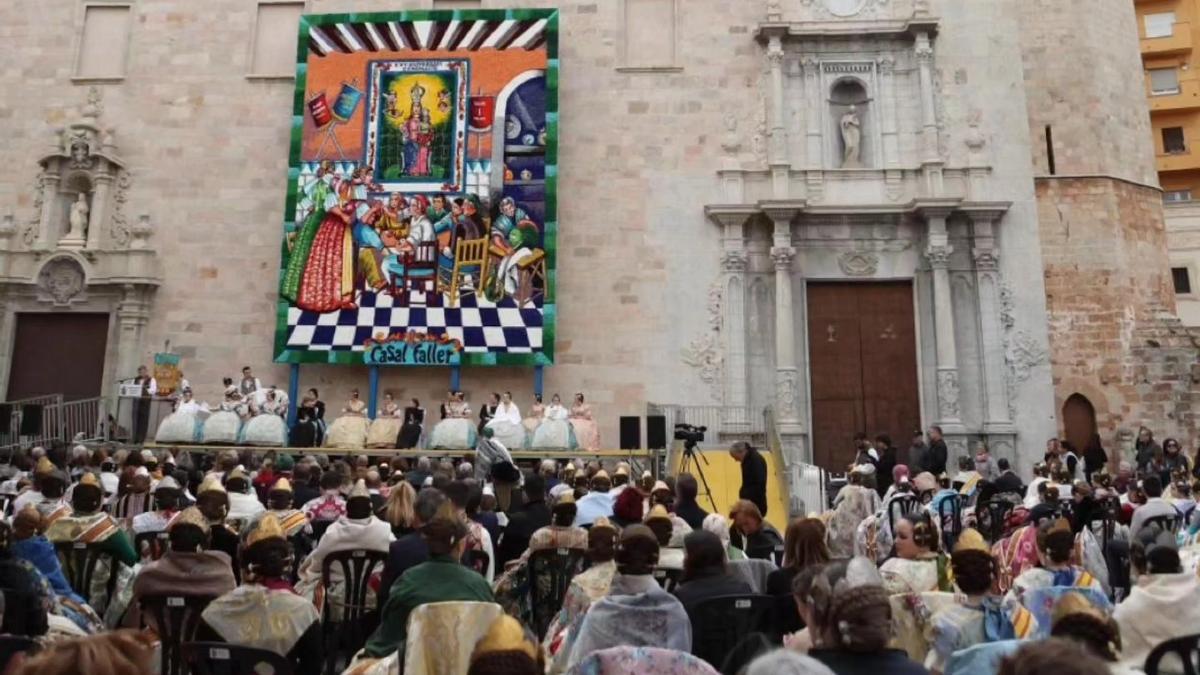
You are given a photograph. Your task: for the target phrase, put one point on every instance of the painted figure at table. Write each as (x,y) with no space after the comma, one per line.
(456,431)
(350,429)
(386,427)
(515,236)
(555,432)
(410,432)
(586,431)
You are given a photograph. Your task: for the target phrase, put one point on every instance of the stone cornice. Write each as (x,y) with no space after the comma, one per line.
(847,28)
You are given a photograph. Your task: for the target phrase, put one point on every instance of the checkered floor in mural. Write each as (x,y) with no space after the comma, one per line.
(481,326)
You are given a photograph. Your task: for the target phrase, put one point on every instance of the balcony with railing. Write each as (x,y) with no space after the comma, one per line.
(1178,42)
(1185,160)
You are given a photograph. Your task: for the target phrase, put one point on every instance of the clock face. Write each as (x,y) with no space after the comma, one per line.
(844,7)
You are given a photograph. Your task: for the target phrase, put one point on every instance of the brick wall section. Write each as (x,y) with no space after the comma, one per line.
(1113,337)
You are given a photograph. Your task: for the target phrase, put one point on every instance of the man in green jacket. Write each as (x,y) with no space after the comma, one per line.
(442,579)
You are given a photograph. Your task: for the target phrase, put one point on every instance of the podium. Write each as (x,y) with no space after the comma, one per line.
(129,396)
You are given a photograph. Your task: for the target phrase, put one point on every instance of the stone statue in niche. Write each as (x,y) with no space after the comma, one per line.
(79,217)
(851,125)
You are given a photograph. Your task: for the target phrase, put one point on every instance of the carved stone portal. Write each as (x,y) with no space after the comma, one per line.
(858,263)
(60,281)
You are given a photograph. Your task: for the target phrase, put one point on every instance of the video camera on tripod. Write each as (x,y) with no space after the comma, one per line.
(690,435)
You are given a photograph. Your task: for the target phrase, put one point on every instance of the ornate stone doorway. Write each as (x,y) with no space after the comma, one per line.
(58,353)
(862,364)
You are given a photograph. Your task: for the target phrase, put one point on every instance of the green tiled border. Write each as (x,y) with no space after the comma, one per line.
(549,309)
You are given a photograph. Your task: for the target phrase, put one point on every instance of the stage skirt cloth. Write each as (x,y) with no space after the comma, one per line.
(222,427)
(511,435)
(180,427)
(383,432)
(454,433)
(554,435)
(410,437)
(586,433)
(266,429)
(347,431)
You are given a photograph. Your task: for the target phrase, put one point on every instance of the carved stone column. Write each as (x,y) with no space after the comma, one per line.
(929,132)
(938,251)
(778,149)
(887,106)
(99,215)
(787,377)
(733,265)
(815,151)
(997,418)
(132,313)
(45,238)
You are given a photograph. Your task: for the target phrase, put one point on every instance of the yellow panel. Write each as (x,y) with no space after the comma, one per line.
(724,476)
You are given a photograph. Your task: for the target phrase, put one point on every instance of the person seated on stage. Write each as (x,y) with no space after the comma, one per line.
(636,611)
(266,425)
(534,419)
(443,578)
(185,424)
(915,567)
(213,502)
(413,427)
(167,497)
(224,425)
(279,502)
(597,503)
(350,429)
(659,522)
(359,529)
(243,503)
(265,598)
(749,531)
(187,568)
(706,573)
(385,428)
(506,423)
(89,525)
(555,432)
(330,505)
(455,431)
(137,500)
(587,432)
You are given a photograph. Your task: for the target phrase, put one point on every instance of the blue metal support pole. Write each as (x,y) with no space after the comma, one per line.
(293,394)
(538,380)
(373,401)
(455,378)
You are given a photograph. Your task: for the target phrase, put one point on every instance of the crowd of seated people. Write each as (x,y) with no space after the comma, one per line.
(589,568)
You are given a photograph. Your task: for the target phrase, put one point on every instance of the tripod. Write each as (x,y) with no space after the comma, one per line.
(690,457)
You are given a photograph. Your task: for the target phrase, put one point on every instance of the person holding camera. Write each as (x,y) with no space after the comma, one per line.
(754,474)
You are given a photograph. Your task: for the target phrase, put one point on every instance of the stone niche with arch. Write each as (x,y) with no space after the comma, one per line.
(78,249)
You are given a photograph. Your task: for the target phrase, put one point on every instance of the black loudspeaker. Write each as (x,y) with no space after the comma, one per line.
(656,432)
(631,433)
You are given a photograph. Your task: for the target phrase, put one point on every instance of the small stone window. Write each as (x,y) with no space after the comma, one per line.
(103,43)
(273,52)
(1182,278)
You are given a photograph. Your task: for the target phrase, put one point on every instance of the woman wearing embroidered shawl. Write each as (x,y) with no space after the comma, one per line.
(256,614)
(89,525)
(30,545)
(586,588)
(636,611)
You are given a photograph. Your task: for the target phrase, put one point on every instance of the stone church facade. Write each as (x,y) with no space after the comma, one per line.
(846,211)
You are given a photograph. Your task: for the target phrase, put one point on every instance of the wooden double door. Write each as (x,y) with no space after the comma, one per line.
(59,353)
(862,351)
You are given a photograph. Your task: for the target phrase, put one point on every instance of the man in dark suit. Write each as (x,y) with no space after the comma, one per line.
(487,411)
(754,474)
(1008,481)
(523,522)
(935,459)
(410,550)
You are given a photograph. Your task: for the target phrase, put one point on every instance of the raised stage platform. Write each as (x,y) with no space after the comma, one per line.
(640,460)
